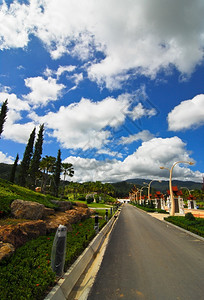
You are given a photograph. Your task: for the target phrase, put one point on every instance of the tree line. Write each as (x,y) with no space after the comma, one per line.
(34,169)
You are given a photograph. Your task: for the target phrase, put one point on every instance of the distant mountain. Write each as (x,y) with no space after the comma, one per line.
(164,185)
(5,171)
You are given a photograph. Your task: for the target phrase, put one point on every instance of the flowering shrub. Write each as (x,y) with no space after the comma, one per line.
(28,274)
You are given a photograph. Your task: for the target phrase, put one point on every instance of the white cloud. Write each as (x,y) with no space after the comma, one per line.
(109,152)
(43,91)
(61,69)
(140,111)
(133,35)
(83,125)
(13,130)
(87,124)
(143,135)
(18,132)
(5,158)
(188,114)
(143,163)
(14,103)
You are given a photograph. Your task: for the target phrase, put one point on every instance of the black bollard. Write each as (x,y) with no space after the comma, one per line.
(111,211)
(106,215)
(59,250)
(96,225)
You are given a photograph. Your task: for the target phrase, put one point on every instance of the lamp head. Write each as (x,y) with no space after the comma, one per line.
(191,163)
(161,168)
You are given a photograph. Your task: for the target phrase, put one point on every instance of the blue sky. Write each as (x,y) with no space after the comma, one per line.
(118,85)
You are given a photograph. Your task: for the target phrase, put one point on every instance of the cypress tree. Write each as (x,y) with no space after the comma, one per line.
(24,166)
(35,161)
(58,170)
(13,170)
(3,113)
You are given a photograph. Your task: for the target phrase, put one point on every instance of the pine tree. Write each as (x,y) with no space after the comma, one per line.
(58,170)
(35,161)
(3,113)
(13,170)
(24,166)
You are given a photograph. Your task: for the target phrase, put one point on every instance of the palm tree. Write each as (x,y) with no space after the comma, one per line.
(47,166)
(67,170)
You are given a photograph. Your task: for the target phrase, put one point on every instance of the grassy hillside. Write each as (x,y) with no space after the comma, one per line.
(10,192)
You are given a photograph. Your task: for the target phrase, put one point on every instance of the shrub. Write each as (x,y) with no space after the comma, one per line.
(81,198)
(189,216)
(89,200)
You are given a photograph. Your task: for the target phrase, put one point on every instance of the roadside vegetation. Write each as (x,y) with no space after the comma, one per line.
(28,274)
(149,208)
(189,222)
(10,192)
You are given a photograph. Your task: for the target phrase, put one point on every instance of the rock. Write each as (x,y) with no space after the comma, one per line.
(27,210)
(62,205)
(6,250)
(52,222)
(78,214)
(66,218)
(19,234)
(48,212)
(79,204)
(33,229)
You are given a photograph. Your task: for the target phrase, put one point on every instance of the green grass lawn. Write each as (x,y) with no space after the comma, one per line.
(98,205)
(10,192)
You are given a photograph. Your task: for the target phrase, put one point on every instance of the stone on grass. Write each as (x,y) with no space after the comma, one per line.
(19,234)
(27,209)
(6,250)
(62,205)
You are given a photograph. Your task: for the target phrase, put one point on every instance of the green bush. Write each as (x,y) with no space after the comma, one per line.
(149,209)
(81,198)
(89,200)
(189,216)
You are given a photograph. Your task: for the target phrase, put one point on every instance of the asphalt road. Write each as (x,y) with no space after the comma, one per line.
(149,259)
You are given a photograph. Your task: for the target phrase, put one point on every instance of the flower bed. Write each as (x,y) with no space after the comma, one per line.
(28,275)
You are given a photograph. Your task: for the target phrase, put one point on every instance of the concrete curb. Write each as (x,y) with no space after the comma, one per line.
(65,285)
(184,230)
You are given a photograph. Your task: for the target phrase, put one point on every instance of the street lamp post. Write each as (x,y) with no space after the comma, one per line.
(172,212)
(141,191)
(189,191)
(149,184)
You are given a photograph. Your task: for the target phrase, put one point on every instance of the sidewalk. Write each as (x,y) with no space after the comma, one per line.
(158,215)
(198,213)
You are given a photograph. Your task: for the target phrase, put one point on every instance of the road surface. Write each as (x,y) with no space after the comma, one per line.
(149,259)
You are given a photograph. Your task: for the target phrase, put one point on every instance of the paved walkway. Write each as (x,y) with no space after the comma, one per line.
(198,213)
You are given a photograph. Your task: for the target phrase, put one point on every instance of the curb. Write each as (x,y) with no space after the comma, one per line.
(184,230)
(65,285)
